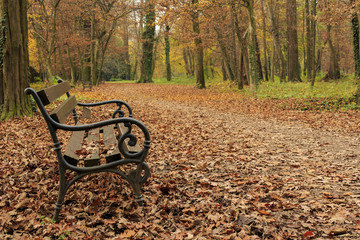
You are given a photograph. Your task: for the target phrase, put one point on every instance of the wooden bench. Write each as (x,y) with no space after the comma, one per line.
(111,145)
(87,85)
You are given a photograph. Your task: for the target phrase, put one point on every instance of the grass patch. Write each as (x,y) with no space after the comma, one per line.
(344,88)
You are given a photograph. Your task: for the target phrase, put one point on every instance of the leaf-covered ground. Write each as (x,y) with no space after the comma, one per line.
(223,167)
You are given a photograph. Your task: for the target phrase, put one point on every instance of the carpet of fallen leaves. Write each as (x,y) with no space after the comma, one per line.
(223,167)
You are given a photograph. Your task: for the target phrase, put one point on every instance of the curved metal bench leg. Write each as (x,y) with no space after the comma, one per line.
(137,180)
(61,194)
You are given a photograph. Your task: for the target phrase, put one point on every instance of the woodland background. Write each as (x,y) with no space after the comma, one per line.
(245,41)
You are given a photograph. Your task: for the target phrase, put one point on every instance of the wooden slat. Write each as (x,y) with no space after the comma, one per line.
(64,109)
(111,144)
(48,95)
(74,145)
(93,138)
(131,149)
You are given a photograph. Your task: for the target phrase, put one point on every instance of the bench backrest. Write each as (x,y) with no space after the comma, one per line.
(50,94)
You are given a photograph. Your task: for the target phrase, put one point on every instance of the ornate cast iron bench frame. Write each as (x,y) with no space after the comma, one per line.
(125,140)
(87,85)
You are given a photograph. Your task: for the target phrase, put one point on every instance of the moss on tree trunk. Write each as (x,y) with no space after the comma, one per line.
(148,44)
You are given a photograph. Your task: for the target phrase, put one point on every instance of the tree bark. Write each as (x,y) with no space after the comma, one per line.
(72,67)
(127,54)
(276,40)
(313,45)
(254,53)
(334,72)
(15,59)
(356,45)
(264,42)
(293,52)
(148,44)
(225,54)
(244,63)
(200,77)
(167,53)
(186,61)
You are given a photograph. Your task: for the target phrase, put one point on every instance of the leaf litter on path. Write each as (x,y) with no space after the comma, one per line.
(223,167)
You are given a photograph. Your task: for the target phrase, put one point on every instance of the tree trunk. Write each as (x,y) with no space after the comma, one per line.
(313,45)
(63,72)
(191,57)
(167,53)
(254,54)
(72,67)
(187,64)
(272,70)
(308,42)
(200,77)
(264,42)
(276,40)
(225,54)
(148,44)
(223,70)
(356,46)
(50,47)
(127,54)
(334,72)
(15,60)
(293,52)
(244,63)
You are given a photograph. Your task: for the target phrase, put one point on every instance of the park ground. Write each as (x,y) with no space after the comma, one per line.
(224,166)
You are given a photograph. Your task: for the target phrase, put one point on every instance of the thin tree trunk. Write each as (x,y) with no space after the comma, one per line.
(200,77)
(223,70)
(186,61)
(308,42)
(50,47)
(243,47)
(276,39)
(272,70)
(293,52)
(167,53)
(255,65)
(127,54)
(225,54)
(93,66)
(313,35)
(63,72)
(72,67)
(264,42)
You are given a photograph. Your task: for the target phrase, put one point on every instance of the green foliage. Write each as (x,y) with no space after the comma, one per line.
(343,88)
(180,80)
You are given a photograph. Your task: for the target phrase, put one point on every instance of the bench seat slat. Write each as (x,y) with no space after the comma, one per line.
(50,94)
(60,113)
(111,144)
(74,145)
(93,139)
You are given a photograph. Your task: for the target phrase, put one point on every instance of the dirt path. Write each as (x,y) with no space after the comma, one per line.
(291,178)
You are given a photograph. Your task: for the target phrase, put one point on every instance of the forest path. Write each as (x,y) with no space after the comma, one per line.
(222,167)
(288,169)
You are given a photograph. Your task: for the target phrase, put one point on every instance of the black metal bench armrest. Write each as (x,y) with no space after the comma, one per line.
(119,103)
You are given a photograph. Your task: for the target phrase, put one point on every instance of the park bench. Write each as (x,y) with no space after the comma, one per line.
(112,145)
(87,85)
